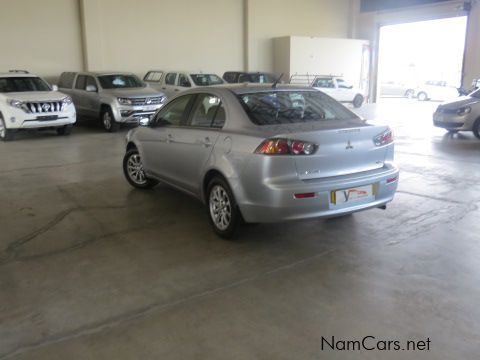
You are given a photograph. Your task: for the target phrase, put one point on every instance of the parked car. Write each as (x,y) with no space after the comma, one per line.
(462,114)
(436,90)
(29,102)
(233,77)
(261,153)
(173,82)
(394,89)
(340,90)
(113,97)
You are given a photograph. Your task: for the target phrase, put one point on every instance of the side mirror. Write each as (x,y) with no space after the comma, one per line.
(54,87)
(91,88)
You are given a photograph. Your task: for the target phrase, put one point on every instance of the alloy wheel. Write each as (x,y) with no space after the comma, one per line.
(135,169)
(107,120)
(3,130)
(220,207)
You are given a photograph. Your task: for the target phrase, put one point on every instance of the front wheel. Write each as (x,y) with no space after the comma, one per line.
(108,120)
(134,172)
(358,101)
(5,134)
(422,96)
(476,128)
(223,211)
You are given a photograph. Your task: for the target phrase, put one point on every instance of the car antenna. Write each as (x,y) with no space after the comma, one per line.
(274,85)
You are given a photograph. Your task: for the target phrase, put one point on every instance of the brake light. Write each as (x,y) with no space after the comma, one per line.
(285,147)
(384,138)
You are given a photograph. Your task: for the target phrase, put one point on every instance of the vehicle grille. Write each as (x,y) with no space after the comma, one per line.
(147,101)
(446,111)
(43,107)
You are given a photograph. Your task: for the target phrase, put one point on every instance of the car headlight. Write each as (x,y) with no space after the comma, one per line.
(15,103)
(124,101)
(67,100)
(464,110)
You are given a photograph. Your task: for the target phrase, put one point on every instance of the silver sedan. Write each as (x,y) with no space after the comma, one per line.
(257,153)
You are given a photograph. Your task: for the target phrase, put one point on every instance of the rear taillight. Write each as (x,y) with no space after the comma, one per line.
(285,147)
(384,138)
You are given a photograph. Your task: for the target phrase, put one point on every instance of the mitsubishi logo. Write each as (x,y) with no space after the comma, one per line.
(349,145)
(46,107)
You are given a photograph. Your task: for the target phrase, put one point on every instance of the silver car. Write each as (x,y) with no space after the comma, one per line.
(115,98)
(461,114)
(258,153)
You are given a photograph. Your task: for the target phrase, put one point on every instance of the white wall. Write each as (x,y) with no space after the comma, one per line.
(43,37)
(268,19)
(140,35)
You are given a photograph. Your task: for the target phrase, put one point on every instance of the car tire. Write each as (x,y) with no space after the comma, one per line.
(108,120)
(358,101)
(5,134)
(422,96)
(64,130)
(133,171)
(409,94)
(223,212)
(476,128)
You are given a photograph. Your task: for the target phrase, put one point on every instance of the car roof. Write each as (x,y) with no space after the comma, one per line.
(249,88)
(16,74)
(99,73)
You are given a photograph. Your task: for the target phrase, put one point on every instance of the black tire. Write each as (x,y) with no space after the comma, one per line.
(422,96)
(108,120)
(228,219)
(64,130)
(5,134)
(133,171)
(476,128)
(358,101)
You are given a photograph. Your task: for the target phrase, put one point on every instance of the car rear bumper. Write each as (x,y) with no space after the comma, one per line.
(277,203)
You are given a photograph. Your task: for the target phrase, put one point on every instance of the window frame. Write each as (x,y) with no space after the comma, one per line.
(185,115)
(195,107)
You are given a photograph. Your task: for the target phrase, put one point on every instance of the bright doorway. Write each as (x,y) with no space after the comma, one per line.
(421,60)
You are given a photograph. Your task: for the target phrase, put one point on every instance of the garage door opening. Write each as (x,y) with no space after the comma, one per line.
(421,61)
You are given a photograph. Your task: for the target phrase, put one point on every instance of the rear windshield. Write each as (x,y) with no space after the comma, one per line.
(206,79)
(22,84)
(288,107)
(120,81)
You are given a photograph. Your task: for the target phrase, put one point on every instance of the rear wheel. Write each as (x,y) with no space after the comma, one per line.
(108,120)
(422,96)
(358,101)
(222,208)
(5,134)
(64,130)
(134,172)
(476,128)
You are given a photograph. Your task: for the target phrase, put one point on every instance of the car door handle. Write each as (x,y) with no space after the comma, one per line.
(206,142)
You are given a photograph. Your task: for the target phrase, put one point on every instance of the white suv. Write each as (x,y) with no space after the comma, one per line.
(28,102)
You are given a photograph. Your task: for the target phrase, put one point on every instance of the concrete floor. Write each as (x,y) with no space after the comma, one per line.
(93,269)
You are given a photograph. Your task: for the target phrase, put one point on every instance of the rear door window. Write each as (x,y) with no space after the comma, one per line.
(183,81)
(208,112)
(170,78)
(66,80)
(81,82)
